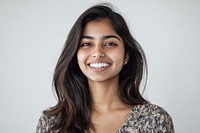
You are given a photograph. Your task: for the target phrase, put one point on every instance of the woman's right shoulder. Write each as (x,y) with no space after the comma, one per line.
(46,122)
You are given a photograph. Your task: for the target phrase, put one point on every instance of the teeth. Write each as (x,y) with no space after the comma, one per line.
(99,65)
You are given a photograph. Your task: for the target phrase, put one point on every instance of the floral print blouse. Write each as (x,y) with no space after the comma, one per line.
(146,118)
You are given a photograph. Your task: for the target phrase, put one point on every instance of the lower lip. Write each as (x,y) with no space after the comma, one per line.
(98,69)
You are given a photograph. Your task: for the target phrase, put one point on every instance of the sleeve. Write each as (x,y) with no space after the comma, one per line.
(165,124)
(43,124)
(160,121)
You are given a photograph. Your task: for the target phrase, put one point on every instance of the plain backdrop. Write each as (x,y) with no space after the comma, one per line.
(32,34)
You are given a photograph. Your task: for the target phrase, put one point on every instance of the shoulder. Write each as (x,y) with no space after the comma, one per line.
(150,118)
(150,110)
(46,122)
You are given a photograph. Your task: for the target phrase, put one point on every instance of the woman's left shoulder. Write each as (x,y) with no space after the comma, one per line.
(155,112)
(154,118)
(152,109)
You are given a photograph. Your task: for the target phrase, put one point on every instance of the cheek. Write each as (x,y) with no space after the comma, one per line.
(81,57)
(119,56)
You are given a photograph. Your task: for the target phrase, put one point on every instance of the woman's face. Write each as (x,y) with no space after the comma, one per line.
(101,52)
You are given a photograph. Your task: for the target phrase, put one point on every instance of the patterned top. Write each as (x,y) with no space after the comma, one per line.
(146,118)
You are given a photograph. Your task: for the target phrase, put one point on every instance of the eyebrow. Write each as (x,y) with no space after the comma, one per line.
(104,37)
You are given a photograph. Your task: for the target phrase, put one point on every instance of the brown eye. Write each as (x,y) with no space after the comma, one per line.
(86,45)
(110,44)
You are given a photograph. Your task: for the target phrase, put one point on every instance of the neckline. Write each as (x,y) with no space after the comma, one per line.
(129,116)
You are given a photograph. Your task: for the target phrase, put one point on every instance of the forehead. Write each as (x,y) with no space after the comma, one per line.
(99,27)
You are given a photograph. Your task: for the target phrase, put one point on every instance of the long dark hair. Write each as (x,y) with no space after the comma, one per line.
(70,84)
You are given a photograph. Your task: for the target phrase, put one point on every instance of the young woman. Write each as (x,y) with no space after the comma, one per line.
(97,81)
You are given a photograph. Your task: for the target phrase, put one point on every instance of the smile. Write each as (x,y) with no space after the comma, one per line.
(99,65)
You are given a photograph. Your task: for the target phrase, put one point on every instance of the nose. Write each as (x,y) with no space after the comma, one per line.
(98,52)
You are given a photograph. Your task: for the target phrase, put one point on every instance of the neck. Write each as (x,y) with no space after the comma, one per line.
(105,95)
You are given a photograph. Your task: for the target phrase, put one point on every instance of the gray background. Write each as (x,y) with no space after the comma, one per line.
(32,34)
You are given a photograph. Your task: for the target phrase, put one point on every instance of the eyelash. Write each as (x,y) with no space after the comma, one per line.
(106,44)
(112,44)
(85,44)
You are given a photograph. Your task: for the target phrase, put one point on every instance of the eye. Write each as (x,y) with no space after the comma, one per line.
(86,45)
(110,44)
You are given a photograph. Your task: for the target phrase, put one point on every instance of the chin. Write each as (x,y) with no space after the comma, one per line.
(97,79)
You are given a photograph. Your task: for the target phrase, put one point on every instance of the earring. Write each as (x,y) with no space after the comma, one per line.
(125,62)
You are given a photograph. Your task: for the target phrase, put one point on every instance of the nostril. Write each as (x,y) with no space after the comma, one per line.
(98,55)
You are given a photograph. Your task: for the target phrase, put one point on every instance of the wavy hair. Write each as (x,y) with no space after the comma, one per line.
(70,84)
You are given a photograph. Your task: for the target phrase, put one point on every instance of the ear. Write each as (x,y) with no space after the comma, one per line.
(126,58)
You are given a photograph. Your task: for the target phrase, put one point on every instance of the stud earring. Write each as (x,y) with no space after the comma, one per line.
(125,62)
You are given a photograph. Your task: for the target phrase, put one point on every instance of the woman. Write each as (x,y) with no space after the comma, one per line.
(97,81)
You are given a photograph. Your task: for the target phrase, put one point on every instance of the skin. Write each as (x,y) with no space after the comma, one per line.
(101,44)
